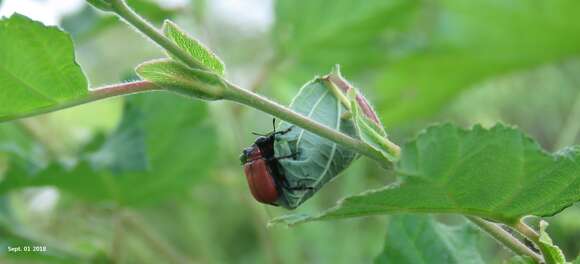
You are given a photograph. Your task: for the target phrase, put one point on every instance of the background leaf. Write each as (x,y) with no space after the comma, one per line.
(458,44)
(498,174)
(37,68)
(315,35)
(421,239)
(157,151)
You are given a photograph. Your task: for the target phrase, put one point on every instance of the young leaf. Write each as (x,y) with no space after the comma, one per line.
(195,48)
(37,68)
(178,77)
(421,239)
(552,253)
(318,160)
(369,132)
(336,79)
(498,174)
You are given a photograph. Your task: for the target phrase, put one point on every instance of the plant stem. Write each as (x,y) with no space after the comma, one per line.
(505,238)
(256,101)
(132,18)
(93,95)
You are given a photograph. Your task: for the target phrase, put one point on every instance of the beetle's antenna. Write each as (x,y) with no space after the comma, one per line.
(274,125)
(258,134)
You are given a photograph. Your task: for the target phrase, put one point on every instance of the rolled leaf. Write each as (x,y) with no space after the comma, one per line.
(318,160)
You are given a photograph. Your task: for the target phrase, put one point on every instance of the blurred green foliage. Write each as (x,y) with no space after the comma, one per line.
(421,239)
(179,191)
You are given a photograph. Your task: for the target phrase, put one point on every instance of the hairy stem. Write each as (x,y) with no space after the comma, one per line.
(94,95)
(125,12)
(505,238)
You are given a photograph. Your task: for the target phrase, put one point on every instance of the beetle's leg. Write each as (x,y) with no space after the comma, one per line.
(293,155)
(283,132)
(301,187)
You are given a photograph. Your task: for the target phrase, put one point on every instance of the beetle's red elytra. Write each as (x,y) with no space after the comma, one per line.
(260,179)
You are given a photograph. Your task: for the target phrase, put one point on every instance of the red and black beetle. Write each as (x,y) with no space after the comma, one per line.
(262,168)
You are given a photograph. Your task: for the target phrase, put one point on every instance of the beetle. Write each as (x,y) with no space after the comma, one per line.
(262,168)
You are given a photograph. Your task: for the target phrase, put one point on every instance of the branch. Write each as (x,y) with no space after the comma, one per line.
(93,95)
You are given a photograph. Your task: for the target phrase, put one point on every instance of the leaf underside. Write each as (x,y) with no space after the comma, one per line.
(37,68)
(498,174)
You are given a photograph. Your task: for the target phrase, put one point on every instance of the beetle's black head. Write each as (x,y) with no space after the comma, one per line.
(245,155)
(264,140)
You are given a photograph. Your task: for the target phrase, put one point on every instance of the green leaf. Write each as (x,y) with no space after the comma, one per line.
(37,68)
(498,174)
(178,77)
(552,253)
(161,148)
(317,34)
(318,160)
(421,239)
(464,43)
(193,47)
